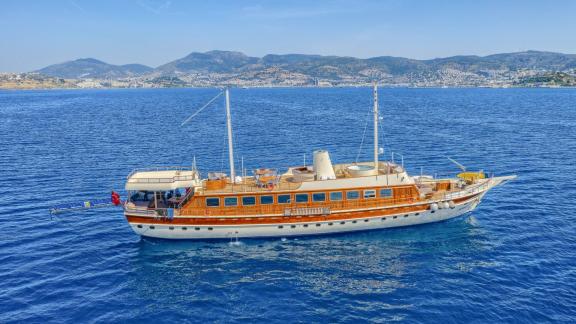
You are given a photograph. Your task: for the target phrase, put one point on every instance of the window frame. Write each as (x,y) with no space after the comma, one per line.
(389,190)
(227,198)
(248,197)
(336,192)
(367,191)
(348,197)
(301,195)
(285,202)
(266,203)
(318,193)
(212,198)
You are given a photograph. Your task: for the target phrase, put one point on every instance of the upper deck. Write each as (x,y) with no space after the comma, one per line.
(301,178)
(162,179)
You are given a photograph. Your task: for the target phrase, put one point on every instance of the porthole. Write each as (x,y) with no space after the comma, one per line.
(354,222)
(383,218)
(395,217)
(210,228)
(405,216)
(152,227)
(366,220)
(342,223)
(416,214)
(171,228)
(318,225)
(305,225)
(139,226)
(432,212)
(196,228)
(184,228)
(292,226)
(280,227)
(330,224)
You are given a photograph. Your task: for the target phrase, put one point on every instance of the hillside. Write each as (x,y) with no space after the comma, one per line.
(217,68)
(94,69)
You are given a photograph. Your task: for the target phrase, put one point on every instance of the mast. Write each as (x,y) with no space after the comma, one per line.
(230,146)
(376,127)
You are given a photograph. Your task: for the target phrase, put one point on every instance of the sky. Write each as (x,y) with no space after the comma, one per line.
(34,34)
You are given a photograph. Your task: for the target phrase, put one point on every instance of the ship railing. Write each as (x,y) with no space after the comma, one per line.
(156,212)
(163,180)
(185,199)
(468,190)
(160,168)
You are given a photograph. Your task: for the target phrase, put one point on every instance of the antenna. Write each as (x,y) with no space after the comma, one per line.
(462,167)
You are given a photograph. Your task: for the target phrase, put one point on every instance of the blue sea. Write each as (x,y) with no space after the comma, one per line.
(513,260)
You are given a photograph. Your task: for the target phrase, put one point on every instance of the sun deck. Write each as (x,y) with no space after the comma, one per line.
(295,178)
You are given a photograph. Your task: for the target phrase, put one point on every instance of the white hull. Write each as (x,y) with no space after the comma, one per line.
(167,231)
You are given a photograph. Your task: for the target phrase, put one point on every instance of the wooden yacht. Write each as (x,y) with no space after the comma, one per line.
(322,198)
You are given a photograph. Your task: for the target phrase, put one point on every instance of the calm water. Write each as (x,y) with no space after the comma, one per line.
(512,260)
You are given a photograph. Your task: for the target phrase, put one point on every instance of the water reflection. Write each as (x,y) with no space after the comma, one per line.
(370,265)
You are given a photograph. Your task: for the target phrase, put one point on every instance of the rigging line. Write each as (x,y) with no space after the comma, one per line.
(363,136)
(203,107)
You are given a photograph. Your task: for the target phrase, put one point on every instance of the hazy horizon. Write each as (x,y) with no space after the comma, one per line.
(36,34)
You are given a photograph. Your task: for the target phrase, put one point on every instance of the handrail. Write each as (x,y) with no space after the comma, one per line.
(186,198)
(160,168)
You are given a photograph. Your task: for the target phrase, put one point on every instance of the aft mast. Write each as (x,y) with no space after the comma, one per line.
(376,127)
(230,146)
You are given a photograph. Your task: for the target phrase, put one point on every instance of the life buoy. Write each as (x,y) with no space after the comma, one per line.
(270,186)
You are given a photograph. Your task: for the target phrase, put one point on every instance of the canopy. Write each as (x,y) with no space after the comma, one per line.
(162,180)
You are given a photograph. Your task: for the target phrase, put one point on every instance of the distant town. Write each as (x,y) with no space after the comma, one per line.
(223,68)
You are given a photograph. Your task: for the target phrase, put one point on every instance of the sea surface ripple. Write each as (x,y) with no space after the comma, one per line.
(512,260)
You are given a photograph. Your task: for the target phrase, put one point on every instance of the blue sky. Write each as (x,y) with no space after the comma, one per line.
(34,34)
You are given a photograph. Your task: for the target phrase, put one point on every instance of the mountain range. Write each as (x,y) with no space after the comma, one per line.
(228,67)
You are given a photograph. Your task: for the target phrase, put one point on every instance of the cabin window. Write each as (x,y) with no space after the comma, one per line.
(318,196)
(212,202)
(368,194)
(301,198)
(266,200)
(351,195)
(385,193)
(283,199)
(336,196)
(231,201)
(249,201)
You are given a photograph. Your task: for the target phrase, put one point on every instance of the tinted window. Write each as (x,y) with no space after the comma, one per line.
(385,193)
(283,199)
(369,194)
(248,201)
(231,201)
(266,200)
(212,202)
(336,196)
(352,195)
(319,196)
(301,198)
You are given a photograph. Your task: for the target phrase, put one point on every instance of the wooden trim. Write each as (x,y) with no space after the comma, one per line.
(280,219)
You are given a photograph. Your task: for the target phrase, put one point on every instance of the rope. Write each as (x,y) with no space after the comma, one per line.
(203,107)
(363,136)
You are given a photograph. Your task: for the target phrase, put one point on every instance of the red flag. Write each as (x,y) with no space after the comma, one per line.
(115,197)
